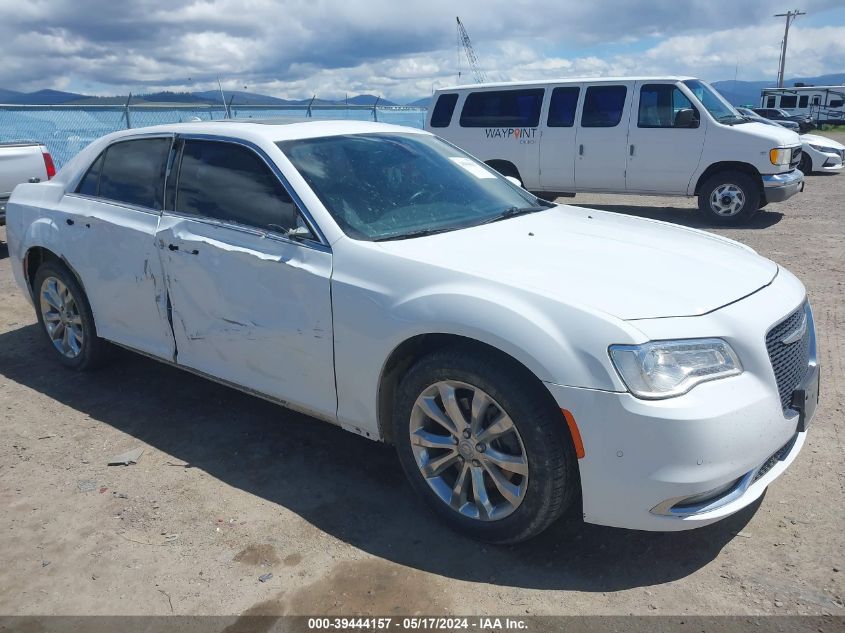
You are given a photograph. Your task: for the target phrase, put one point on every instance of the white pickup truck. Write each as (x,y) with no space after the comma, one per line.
(22,162)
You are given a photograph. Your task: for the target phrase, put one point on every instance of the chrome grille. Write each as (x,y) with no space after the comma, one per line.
(791,361)
(795,157)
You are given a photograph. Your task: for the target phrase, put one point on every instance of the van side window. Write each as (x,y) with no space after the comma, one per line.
(603,106)
(503,108)
(788,101)
(562,107)
(226,181)
(443,109)
(770,101)
(661,105)
(90,183)
(133,172)
(803,100)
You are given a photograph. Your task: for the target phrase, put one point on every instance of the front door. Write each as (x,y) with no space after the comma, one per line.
(602,138)
(250,304)
(665,140)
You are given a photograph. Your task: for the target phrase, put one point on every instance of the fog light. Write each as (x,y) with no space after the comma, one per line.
(704,497)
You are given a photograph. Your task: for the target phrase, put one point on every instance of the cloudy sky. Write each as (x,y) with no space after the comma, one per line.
(399,49)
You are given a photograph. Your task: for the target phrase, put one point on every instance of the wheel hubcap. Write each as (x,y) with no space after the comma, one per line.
(61,317)
(468,450)
(727,200)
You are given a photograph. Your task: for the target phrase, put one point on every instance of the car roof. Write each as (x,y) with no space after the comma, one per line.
(569,80)
(272,130)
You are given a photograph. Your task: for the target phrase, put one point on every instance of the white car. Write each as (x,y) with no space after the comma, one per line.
(819,153)
(516,352)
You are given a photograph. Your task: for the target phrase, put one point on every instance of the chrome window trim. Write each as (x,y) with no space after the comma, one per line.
(73,184)
(116,203)
(320,244)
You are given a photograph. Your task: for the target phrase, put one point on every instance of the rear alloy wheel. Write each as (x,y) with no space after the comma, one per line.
(65,316)
(729,198)
(484,444)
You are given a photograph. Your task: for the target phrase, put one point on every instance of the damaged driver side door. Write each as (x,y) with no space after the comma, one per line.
(248,282)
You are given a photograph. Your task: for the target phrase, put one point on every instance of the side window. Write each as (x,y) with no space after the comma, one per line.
(836,103)
(803,100)
(90,183)
(816,100)
(133,172)
(664,105)
(770,101)
(562,107)
(603,106)
(443,109)
(788,101)
(230,182)
(503,108)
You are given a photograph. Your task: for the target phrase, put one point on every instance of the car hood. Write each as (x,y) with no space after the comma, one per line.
(777,135)
(814,139)
(628,267)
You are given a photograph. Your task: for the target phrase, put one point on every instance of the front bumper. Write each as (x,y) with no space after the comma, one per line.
(644,458)
(829,162)
(780,187)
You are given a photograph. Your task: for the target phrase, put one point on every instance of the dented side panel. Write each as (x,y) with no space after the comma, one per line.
(112,249)
(251,310)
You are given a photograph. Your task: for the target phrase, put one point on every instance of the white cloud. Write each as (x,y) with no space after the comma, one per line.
(297,48)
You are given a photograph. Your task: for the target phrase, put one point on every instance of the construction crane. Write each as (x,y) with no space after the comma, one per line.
(466,43)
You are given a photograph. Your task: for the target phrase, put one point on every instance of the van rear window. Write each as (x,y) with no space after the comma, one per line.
(562,107)
(503,108)
(603,106)
(443,109)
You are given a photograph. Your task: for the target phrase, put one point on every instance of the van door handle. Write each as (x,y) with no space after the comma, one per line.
(173,247)
(580,150)
(631,150)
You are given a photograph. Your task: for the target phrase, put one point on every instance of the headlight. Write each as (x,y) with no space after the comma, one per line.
(821,148)
(663,369)
(780,156)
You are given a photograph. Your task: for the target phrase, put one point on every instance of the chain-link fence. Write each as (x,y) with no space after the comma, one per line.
(66,129)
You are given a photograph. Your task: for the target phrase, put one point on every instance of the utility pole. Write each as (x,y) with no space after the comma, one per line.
(790,18)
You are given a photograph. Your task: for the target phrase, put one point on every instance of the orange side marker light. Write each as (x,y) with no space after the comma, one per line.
(575,433)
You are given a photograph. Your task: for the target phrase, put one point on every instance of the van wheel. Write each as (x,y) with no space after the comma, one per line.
(729,198)
(64,315)
(505,168)
(484,447)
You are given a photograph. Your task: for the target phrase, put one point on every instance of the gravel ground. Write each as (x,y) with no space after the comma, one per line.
(230,488)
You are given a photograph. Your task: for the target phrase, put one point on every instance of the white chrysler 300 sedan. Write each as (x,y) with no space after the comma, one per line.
(517,353)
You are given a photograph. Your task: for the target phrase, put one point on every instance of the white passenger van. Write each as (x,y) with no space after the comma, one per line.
(659,136)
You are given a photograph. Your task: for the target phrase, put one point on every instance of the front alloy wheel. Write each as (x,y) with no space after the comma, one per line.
(468,450)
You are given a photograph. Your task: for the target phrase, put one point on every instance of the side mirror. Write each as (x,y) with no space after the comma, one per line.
(513,181)
(686,118)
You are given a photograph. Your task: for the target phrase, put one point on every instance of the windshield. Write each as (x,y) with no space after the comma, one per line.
(714,103)
(393,186)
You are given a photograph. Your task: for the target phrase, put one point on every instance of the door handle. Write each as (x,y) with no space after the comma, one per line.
(173,247)
(580,150)
(631,151)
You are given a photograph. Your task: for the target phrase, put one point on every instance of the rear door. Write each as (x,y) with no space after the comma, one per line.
(557,144)
(109,238)
(665,139)
(250,305)
(601,138)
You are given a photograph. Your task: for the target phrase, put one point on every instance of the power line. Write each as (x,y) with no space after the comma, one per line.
(790,18)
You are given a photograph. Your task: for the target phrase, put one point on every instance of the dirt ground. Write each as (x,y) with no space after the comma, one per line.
(230,488)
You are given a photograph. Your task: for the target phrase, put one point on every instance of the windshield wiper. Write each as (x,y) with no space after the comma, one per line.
(513,212)
(412,234)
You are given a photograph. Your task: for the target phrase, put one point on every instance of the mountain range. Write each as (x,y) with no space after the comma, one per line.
(737,92)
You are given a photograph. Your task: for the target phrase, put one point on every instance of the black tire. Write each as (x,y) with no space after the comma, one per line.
(505,168)
(552,471)
(93,351)
(806,164)
(737,181)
